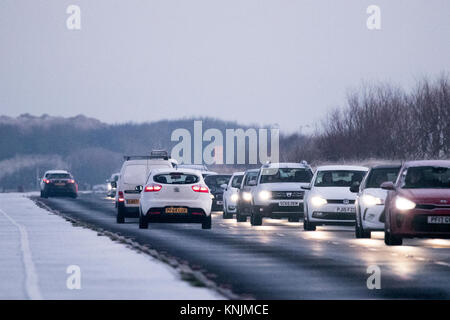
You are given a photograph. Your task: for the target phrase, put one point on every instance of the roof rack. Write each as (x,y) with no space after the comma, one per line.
(154,154)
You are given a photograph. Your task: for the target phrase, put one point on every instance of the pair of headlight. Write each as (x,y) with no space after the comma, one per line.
(263,195)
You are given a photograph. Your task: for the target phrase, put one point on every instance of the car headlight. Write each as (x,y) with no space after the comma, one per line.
(404,204)
(247,196)
(234,197)
(264,195)
(318,201)
(370,200)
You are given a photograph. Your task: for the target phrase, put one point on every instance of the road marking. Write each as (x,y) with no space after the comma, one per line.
(31,277)
(442,263)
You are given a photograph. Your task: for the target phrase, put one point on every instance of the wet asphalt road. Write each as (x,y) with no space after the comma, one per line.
(281,261)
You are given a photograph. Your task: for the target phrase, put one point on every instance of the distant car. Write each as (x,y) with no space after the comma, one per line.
(328,200)
(175,195)
(278,192)
(244,201)
(134,172)
(230,195)
(58,183)
(370,214)
(112,184)
(216,184)
(418,202)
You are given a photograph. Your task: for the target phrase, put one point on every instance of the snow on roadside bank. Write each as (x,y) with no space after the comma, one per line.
(37,247)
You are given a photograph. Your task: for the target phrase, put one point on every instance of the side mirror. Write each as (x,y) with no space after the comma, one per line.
(252,183)
(354,188)
(224,186)
(139,188)
(388,185)
(306,187)
(113,184)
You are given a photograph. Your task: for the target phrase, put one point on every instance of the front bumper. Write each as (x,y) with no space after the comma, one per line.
(68,189)
(274,210)
(330,214)
(414,223)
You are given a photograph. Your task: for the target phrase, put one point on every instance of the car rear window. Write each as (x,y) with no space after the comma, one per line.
(176,178)
(135,174)
(58,176)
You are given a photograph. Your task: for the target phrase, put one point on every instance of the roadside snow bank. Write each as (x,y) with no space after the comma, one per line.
(38,247)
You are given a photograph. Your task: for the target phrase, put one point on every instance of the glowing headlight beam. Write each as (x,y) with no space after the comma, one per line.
(370,200)
(318,201)
(404,204)
(264,195)
(247,196)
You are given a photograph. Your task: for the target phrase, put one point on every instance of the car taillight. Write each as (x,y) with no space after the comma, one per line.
(200,188)
(152,188)
(46,181)
(71,181)
(121,199)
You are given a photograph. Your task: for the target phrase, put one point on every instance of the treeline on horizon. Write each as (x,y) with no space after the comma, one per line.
(378,121)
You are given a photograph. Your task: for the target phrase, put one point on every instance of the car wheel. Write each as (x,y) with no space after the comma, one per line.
(206,224)
(308,226)
(74,195)
(255,218)
(225,214)
(143,222)
(44,194)
(240,218)
(391,240)
(120,218)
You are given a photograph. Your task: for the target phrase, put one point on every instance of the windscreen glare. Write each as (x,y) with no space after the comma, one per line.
(426,178)
(280,175)
(176,178)
(338,178)
(378,176)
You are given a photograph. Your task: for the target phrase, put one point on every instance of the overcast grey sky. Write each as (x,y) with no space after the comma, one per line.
(263,61)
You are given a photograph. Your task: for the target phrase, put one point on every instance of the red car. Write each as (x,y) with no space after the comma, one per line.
(418,203)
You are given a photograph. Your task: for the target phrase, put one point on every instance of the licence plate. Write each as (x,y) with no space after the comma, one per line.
(288,203)
(346,209)
(176,210)
(133,201)
(439,220)
(60,184)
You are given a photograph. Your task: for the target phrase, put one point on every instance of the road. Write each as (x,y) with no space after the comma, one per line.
(281,261)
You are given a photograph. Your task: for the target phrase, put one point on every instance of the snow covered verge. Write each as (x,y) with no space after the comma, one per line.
(43,256)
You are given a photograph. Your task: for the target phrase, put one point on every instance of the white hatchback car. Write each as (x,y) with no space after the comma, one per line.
(328,200)
(231,195)
(175,195)
(370,214)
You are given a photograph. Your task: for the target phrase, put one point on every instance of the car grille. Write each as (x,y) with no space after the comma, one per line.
(333,215)
(432,206)
(420,224)
(340,201)
(282,195)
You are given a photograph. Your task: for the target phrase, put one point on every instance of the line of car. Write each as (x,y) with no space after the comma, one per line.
(404,200)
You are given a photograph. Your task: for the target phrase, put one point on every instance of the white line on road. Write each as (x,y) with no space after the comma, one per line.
(31,282)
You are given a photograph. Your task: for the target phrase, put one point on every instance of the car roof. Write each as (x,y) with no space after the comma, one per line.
(251,170)
(424,163)
(147,162)
(342,167)
(240,173)
(285,165)
(387,166)
(180,170)
(57,171)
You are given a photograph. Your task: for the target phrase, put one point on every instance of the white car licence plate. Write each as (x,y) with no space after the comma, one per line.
(346,209)
(439,219)
(288,203)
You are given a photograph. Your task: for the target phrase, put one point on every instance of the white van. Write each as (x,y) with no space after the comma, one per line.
(134,173)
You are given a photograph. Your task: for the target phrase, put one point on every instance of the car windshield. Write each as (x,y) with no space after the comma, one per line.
(176,178)
(236,181)
(338,178)
(58,176)
(378,176)
(135,174)
(215,181)
(426,178)
(277,175)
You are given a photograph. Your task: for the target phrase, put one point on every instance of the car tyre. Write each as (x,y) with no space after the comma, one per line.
(120,218)
(206,224)
(360,233)
(240,218)
(308,226)
(391,240)
(255,218)
(143,222)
